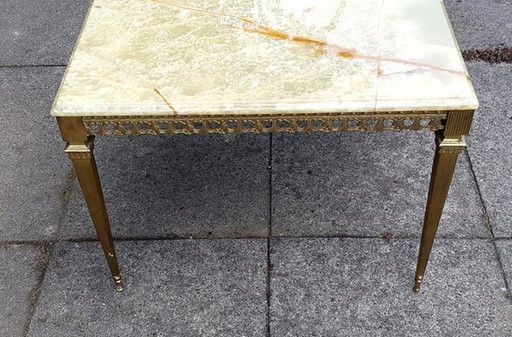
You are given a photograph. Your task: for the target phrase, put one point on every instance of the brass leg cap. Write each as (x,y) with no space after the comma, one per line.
(119,287)
(417,284)
(118,283)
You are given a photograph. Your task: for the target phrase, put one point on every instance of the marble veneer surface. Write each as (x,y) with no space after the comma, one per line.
(186,57)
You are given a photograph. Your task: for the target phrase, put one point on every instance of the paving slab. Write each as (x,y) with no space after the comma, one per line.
(489,144)
(180,186)
(363,287)
(365,184)
(19,277)
(505,251)
(33,168)
(39,32)
(173,288)
(480,24)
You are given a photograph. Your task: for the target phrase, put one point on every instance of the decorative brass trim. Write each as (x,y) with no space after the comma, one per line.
(78,155)
(448,145)
(396,120)
(458,123)
(450,150)
(81,151)
(72,129)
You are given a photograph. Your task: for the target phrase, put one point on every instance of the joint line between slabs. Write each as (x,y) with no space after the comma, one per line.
(23,66)
(187,238)
(487,221)
(269,236)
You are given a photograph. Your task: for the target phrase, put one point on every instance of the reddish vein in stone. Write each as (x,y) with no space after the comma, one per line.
(255,27)
(318,46)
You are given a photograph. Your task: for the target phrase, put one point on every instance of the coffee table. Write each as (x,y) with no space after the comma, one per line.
(202,66)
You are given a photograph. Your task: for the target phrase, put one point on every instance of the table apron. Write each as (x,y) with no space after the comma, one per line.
(332,122)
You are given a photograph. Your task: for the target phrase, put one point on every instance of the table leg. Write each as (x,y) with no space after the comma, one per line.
(80,151)
(449,143)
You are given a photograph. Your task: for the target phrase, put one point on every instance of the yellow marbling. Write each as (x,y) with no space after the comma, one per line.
(161,57)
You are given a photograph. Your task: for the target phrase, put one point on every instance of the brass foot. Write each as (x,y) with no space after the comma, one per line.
(417,284)
(118,282)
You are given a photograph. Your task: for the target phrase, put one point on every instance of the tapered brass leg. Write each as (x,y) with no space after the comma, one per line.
(80,151)
(449,143)
(445,159)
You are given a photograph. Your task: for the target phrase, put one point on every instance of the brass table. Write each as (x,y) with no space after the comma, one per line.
(202,66)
